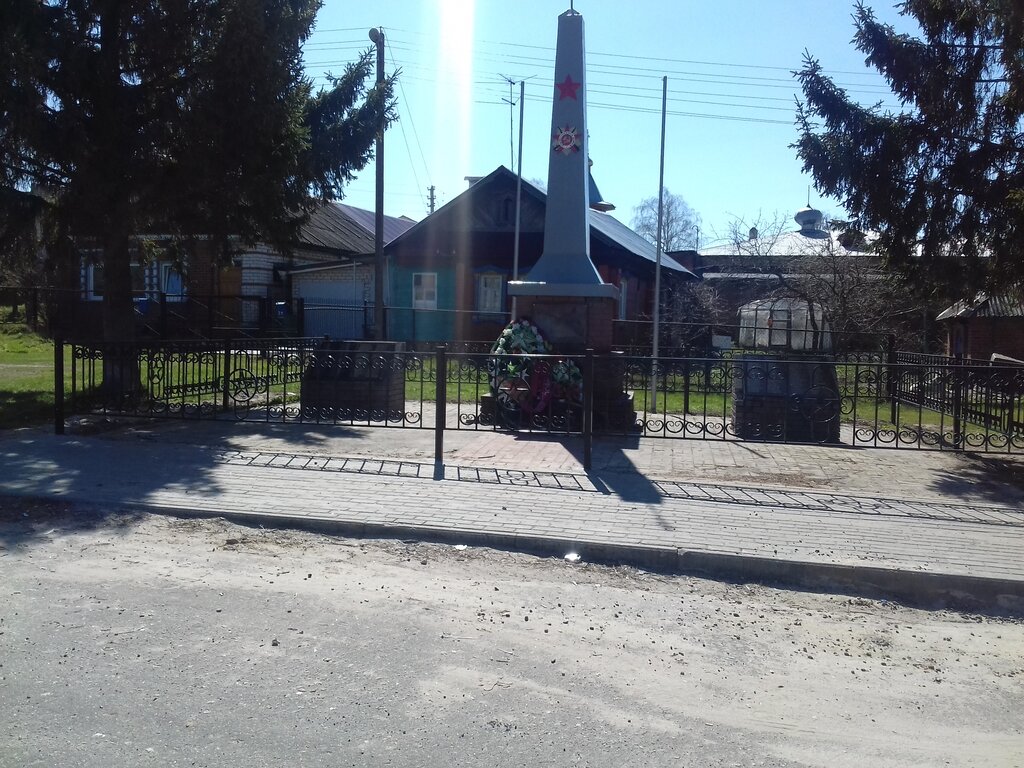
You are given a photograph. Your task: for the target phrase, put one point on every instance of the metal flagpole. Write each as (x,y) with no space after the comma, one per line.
(660,246)
(519,194)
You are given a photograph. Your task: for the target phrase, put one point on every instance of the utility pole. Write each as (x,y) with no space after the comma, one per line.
(377,37)
(661,246)
(431,199)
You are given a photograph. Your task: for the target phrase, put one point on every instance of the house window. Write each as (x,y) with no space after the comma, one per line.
(508,211)
(623,293)
(424,290)
(172,283)
(95,280)
(489,290)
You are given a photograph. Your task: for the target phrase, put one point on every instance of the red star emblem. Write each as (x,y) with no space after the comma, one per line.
(567,88)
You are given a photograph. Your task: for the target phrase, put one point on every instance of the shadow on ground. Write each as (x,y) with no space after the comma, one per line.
(24,521)
(997,479)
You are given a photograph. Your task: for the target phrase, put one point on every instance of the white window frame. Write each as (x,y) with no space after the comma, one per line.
(89,282)
(623,294)
(424,290)
(490,300)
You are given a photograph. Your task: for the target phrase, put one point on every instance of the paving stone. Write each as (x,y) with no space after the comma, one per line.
(915,511)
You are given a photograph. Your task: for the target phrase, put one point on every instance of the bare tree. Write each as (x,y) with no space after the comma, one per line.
(831,266)
(679,222)
(692,309)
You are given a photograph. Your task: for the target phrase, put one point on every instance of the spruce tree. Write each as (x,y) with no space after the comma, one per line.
(194,118)
(942,178)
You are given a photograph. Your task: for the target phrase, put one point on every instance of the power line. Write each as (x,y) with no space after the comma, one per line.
(412,124)
(545,61)
(623,89)
(633,57)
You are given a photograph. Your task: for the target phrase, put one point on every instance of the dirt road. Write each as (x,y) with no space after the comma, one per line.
(129,640)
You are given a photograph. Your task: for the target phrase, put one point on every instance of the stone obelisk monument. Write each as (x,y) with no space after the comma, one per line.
(563,293)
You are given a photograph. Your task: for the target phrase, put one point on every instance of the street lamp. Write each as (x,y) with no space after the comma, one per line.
(377,37)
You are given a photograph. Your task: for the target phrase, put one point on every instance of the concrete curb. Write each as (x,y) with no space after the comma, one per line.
(914,588)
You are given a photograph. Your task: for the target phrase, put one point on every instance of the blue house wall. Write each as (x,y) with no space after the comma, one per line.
(409,324)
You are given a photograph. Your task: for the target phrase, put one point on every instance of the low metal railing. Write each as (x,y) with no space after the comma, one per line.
(858,400)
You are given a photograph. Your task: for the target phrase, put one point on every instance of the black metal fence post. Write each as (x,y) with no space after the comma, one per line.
(300,317)
(440,414)
(226,392)
(892,381)
(58,386)
(163,315)
(686,387)
(588,410)
(958,401)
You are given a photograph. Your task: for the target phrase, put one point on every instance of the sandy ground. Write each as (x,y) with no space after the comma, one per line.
(131,638)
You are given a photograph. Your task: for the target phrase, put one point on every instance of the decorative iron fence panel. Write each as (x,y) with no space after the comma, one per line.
(856,400)
(525,393)
(865,400)
(301,380)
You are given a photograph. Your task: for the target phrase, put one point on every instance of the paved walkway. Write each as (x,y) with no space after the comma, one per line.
(920,525)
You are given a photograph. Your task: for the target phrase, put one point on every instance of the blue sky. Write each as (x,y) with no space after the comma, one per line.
(731,95)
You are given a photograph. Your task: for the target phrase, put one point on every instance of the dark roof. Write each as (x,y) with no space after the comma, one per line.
(618,234)
(393,225)
(984,306)
(321,267)
(340,227)
(602,225)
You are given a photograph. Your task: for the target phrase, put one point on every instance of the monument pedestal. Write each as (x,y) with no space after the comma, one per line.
(574,319)
(572,324)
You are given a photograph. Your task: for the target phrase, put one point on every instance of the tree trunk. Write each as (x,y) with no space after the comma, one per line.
(121,380)
(121,377)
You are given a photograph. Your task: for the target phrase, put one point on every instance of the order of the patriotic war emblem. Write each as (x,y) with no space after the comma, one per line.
(567,140)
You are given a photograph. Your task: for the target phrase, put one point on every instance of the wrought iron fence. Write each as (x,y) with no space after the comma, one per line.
(968,391)
(635,337)
(867,400)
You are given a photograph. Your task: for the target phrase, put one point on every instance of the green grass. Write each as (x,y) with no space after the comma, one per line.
(26,388)
(866,410)
(26,377)
(464,385)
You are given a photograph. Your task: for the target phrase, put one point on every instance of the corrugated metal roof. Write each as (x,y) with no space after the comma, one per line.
(984,305)
(785,244)
(393,225)
(626,238)
(340,227)
(322,267)
(331,228)
(752,276)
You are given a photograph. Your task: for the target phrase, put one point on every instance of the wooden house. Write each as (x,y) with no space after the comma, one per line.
(448,274)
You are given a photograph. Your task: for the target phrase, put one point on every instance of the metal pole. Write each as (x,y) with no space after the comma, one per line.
(226,388)
(58,385)
(588,410)
(519,193)
(893,377)
(660,246)
(440,413)
(377,36)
